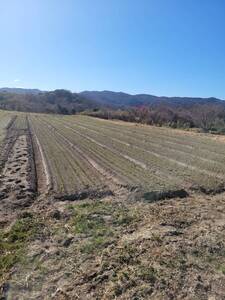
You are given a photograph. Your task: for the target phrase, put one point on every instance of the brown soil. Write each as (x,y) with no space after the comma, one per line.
(16,189)
(113,182)
(18,178)
(44,183)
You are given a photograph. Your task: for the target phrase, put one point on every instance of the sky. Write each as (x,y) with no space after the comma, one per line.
(159,47)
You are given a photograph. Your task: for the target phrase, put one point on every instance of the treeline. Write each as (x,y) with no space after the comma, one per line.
(177,113)
(58,102)
(207,117)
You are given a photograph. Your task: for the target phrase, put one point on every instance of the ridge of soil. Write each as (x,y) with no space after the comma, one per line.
(18,179)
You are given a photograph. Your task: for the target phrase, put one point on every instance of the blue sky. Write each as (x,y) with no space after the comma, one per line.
(162,47)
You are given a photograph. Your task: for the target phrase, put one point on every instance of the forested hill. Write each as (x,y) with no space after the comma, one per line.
(65,102)
(205,113)
(20,91)
(58,101)
(119,99)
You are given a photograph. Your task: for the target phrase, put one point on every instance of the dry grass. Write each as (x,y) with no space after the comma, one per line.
(112,248)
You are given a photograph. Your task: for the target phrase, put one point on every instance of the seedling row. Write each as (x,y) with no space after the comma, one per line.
(80,149)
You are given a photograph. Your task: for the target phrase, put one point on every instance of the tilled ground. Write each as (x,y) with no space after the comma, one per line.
(16,186)
(154,159)
(117,249)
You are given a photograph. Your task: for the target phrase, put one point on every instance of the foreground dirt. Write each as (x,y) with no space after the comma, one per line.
(119,249)
(17,187)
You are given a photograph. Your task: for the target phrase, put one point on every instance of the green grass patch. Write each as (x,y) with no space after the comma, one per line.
(14,241)
(98,222)
(132,276)
(221,268)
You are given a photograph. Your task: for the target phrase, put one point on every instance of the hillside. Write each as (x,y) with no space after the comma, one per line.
(58,101)
(21,91)
(179,112)
(92,99)
(118,99)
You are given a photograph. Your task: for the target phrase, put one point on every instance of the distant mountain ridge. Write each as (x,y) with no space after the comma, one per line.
(37,100)
(33,100)
(20,91)
(120,99)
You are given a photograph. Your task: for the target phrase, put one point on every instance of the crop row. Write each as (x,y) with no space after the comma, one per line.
(156,148)
(172,138)
(69,170)
(199,153)
(170,165)
(21,122)
(125,168)
(82,151)
(5,119)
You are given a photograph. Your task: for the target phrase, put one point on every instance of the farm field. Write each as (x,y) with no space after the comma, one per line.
(83,152)
(80,154)
(73,223)
(4,122)
(5,119)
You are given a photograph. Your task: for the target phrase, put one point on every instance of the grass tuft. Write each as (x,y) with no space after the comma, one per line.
(98,222)
(13,242)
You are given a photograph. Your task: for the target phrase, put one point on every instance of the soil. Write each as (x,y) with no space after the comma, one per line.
(112,181)
(44,184)
(164,249)
(18,179)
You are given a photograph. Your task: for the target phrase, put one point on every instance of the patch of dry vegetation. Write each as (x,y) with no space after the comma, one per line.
(113,248)
(14,240)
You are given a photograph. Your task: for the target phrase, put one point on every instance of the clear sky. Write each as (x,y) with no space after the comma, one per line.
(162,47)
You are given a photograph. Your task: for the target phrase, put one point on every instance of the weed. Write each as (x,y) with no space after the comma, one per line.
(156,238)
(146,273)
(127,254)
(98,222)
(14,241)
(133,275)
(125,218)
(95,243)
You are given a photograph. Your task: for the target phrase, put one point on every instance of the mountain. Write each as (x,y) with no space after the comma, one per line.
(66,102)
(119,99)
(122,100)
(58,101)
(20,91)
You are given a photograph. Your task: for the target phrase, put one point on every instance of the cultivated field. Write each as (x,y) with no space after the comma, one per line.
(105,245)
(80,154)
(5,123)
(85,152)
